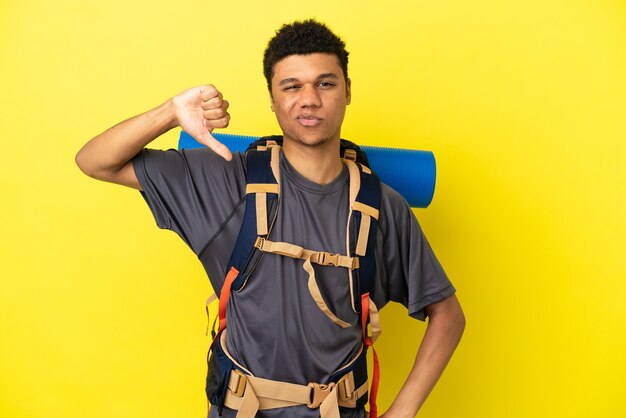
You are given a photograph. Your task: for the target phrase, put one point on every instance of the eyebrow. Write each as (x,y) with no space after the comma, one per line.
(321,76)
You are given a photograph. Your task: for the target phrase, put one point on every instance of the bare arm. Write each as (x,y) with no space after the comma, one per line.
(445,327)
(198,110)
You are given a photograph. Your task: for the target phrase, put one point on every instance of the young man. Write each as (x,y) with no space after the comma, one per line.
(276,330)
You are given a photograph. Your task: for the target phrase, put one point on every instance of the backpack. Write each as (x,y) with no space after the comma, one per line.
(230,384)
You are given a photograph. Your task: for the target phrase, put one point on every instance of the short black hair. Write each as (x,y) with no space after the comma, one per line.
(302,38)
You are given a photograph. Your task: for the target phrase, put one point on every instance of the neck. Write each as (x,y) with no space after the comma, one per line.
(320,164)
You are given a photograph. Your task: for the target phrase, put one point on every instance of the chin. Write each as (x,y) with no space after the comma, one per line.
(309,140)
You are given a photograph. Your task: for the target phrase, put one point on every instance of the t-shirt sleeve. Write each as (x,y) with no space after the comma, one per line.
(407,267)
(190,192)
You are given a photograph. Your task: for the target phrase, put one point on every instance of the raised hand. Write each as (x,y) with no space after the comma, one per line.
(199,111)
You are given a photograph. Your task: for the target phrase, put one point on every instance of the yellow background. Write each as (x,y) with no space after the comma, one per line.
(523,103)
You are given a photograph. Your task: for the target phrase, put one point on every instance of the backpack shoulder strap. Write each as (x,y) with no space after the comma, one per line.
(362,222)
(361,240)
(262,195)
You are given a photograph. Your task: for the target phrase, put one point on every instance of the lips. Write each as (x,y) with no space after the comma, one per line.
(308,120)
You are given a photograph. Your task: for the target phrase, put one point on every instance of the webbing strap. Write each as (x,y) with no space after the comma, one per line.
(209,300)
(365,209)
(249,394)
(270,394)
(262,188)
(365,311)
(367,213)
(309,257)
(275,161)
(355,181)
(261,213)
(295,251)
(364,233)
(355,186)
(317,296)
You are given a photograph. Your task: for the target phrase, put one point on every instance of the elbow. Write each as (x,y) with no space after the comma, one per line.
(448,315)
(88,167)
(83,163)
(79,159)
(456,317)
(460,322)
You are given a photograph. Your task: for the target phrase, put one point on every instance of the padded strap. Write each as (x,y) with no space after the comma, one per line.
(260,190)
(270,394)
(250,394)
(261,208)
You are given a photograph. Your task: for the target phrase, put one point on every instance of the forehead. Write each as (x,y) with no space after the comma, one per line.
(308,66)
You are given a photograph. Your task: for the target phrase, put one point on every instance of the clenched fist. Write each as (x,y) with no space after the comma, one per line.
(198,111)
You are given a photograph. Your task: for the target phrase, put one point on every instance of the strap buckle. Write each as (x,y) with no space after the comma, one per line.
(328,259)
(238,384)
(319,392)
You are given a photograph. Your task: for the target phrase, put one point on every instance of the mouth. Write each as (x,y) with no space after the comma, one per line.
(308,120)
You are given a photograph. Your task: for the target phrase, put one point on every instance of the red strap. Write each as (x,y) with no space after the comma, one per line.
(365,309)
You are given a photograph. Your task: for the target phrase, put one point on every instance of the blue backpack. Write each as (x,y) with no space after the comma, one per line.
(230,384)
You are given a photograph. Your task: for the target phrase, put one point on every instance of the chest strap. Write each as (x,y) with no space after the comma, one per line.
(318,257)
(309,256)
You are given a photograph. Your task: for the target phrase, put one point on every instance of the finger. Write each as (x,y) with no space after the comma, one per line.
(212,103)
(214,113)
(208,92)
(215,145)
(220,123)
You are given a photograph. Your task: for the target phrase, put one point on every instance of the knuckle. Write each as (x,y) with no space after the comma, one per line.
(214,113)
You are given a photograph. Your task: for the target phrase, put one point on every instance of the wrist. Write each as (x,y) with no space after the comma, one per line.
(171,120)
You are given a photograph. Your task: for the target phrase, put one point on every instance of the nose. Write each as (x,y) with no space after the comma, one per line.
(309,97)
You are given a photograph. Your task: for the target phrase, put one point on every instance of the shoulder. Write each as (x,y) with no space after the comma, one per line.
(196,163)
(394,209)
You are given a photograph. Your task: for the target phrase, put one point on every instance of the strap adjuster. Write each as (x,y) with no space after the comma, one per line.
(238,384)
(345,387)
(355,263)
(319,392)
(259,243)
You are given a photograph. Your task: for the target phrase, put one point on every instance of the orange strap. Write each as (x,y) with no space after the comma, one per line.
(365,304)
(225,294)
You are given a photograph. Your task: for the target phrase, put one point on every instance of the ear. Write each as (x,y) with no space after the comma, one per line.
(348,90)
(272,102)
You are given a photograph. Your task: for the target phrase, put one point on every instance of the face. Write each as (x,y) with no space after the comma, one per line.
(309,97)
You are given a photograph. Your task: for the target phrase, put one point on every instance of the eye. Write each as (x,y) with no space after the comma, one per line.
(291,87)
(325,84)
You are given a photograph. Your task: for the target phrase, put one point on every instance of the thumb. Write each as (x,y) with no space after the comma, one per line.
(220,149)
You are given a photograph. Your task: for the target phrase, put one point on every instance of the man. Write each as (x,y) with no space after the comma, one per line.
(275,330)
